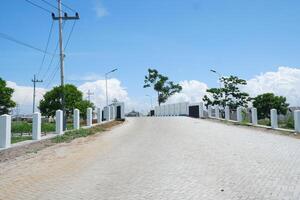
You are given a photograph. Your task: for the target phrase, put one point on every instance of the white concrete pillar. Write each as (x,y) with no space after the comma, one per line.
(239,115)
(209,111)
(36,126)
(274,119)
(59,122)
(89,117)
(254,116)
(99,113)
(201,108)
(217,112)
(76,119)
(5,131)
(297,121)
(227,113)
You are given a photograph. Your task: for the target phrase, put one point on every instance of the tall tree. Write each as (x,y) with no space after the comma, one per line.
(267,101)
(6,102)
(161,85)
(228,95)
(73,99)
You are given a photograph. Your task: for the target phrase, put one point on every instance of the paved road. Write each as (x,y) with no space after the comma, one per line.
(161,158)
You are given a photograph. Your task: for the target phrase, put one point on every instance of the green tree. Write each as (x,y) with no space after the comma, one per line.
(161,85)
(73,98)
(6,102)
(228,95)
(265,102)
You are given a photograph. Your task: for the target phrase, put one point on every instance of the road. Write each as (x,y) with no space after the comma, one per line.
(160,158)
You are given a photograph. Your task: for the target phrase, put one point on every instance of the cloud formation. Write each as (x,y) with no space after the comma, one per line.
(23,95)
(192,91)
(100,10)
(285,82)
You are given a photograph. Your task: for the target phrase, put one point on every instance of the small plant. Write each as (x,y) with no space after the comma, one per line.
(71,135)
(264,122)
(16,139)
(245,117)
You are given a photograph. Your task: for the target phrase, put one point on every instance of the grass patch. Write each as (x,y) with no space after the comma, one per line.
(26,127)
(17,139)
(71,135)
(264,122)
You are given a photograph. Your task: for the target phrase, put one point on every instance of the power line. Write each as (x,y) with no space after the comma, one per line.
(50,4)
(53,75)
(38,6)
(7,37)
(70,34)
(46,49)
(51,61)
(66,6)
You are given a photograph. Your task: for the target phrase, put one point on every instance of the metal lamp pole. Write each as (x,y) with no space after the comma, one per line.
(220,76)
(150,100)
(106,75)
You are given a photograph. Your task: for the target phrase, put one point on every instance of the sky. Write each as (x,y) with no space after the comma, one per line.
(255,40)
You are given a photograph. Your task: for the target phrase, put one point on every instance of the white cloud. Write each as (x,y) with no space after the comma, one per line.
(192,91)
(284,82)
(100,10)
(23,95)
(115,91)
(86,77)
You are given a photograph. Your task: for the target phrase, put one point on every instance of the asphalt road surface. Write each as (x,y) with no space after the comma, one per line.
(160,158)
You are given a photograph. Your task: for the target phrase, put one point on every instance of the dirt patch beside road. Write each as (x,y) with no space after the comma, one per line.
(34,147)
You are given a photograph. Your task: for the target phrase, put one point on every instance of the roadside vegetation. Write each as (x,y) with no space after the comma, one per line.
(26,127)
(84,132)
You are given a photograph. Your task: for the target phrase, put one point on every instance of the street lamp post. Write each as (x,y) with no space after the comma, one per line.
(220,76)
(106,75)
(150,100)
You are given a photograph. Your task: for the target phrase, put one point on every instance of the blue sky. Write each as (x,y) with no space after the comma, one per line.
(181,38)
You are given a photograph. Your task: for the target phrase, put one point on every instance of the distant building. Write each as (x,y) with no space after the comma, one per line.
(133,114)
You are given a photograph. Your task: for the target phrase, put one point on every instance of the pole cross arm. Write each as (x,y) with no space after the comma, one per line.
(66,17)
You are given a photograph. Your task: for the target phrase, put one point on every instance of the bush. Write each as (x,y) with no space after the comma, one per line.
(265,122)
(71,135)
(25,127)
(287,123)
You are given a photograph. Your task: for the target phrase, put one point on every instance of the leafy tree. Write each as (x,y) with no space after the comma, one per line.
(161,85)
(73,99)
(6,102)
(228,95)
(265,102)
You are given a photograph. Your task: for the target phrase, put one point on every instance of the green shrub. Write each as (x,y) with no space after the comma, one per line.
(25,127)
(71,135)
(16,139)
(265,122)
(287,123)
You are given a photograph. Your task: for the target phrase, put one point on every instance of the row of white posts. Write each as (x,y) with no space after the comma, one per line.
(5,125)
(273,112)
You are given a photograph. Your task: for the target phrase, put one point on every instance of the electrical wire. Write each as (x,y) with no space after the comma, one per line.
(46,49)
(52,58)
(38,6)
(66,6)
(50,4)
(7,37)
(70,34)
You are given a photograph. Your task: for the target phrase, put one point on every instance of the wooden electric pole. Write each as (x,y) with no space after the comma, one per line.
(34,80)
(60,19)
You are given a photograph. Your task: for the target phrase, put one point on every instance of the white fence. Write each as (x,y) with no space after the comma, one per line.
(182,109)
(5,122)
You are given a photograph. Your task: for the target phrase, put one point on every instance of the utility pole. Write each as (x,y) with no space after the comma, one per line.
(34,80)
(60,19)
(89,93)
(106,90)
